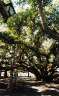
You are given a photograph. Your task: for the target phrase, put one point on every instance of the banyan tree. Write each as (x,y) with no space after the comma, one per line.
(47,56)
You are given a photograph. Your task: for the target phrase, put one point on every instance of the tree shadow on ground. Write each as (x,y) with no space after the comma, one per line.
(27,90)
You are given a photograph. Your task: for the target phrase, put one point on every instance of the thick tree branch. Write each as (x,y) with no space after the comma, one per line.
(42,15)
(3,10)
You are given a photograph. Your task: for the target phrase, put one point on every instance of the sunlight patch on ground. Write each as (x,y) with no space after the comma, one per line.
(57,69)
(26,74)
(43,88)
(40,88)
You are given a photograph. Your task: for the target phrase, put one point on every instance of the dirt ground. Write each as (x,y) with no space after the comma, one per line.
(32,88)
(27,86)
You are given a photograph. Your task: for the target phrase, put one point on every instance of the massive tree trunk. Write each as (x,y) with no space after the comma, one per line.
(42,14)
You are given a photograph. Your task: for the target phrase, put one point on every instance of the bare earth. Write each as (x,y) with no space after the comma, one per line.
(32,88)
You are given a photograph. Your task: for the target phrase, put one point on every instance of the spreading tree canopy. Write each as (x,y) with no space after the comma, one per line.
(32,38)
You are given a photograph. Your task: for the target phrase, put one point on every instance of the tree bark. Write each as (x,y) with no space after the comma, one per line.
(3,11)
(42,14)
